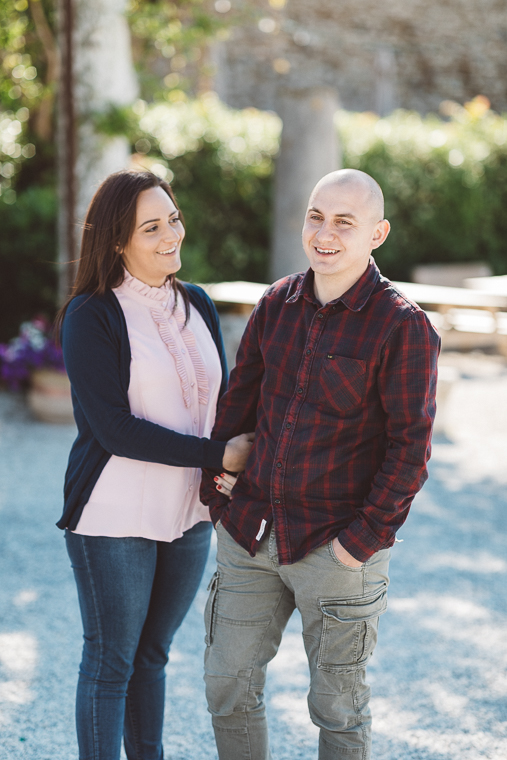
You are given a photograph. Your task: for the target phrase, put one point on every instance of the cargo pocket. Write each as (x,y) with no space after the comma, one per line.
(210,609)
(349,631)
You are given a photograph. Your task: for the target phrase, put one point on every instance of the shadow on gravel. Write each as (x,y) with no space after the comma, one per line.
(439,675)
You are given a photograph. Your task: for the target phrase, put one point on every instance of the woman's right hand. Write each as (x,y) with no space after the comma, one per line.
(237,451)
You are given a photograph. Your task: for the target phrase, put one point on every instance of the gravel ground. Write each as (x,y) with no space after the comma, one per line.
(439,674)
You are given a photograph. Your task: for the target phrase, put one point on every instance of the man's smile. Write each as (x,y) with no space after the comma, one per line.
(326,251)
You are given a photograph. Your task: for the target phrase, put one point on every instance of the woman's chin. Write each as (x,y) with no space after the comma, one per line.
(170,267)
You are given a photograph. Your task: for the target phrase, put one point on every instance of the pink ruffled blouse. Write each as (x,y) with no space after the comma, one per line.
(175,376)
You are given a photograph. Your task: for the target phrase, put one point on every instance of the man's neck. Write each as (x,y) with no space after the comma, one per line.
(328,289)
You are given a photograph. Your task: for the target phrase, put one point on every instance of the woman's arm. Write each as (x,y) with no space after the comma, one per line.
(92,351)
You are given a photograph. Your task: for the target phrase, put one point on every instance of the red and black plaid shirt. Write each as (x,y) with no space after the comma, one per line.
(342,400)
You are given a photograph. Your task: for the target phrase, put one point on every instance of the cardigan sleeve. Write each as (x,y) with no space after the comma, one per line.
(92,354)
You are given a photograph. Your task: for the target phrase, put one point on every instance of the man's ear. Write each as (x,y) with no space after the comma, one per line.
(380,233)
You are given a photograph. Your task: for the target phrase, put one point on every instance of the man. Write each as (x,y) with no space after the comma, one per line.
(336,372)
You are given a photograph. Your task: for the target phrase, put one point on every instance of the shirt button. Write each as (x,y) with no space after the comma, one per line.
(288,425)
(278,464)
(277,501)
(300,391)
(320,316)
(308,351)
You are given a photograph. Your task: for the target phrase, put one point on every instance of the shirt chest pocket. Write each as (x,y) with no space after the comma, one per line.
(341,382)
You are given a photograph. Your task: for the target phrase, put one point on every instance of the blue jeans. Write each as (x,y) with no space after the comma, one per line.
(133,594)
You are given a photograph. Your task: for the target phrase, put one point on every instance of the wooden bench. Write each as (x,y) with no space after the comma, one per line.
(466,318)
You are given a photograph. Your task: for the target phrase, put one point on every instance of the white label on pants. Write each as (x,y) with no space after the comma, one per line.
(261,530)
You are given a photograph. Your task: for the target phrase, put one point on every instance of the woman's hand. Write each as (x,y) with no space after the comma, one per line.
(225,483)
(237,451)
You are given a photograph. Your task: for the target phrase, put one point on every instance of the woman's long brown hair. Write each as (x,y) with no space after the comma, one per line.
(108,227)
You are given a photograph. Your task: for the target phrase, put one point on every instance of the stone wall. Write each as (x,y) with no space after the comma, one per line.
(377,55)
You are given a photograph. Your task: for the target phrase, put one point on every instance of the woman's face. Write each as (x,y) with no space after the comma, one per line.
(153,252)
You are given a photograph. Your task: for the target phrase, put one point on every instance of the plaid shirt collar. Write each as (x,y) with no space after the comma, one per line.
(354,299)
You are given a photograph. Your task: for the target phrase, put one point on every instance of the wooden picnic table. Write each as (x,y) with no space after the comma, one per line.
(446,307)
(442,298)
(436,297)
(494,285)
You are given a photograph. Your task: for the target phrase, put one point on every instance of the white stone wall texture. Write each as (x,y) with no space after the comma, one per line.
(377,55)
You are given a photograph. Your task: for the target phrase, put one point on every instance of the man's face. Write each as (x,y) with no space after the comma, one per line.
(341,228)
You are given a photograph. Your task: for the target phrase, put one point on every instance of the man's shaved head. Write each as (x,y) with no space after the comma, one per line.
(344,223)
(361,181)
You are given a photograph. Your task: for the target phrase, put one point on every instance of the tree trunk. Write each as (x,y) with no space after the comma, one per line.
(97,73)
(309,149)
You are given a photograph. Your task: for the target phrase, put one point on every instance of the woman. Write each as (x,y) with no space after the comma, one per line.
(146,363)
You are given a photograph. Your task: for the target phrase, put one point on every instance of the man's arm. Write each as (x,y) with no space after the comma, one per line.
(407,386)
(237,409)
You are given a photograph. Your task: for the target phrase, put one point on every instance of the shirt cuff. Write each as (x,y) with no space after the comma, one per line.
(360,542)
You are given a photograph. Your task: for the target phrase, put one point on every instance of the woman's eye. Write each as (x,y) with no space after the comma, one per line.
(152,229)
(174,220)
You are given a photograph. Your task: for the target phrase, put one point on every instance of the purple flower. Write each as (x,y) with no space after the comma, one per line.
(34,348)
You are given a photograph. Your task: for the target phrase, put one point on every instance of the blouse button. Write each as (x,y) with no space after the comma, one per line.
(183,351)
(192,385)
(195,420)
(190,488)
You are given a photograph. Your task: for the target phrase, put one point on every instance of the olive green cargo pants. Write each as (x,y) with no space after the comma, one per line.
(251,600)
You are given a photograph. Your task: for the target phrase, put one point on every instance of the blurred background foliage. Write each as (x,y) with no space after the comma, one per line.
(220,163)
(444,176)
(444,180)
(28,73)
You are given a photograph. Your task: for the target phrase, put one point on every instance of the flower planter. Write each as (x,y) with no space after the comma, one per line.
(49,396)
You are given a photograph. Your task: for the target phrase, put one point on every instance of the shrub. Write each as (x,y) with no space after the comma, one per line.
(28,282)
(222,164)
(444,178)
(445,183)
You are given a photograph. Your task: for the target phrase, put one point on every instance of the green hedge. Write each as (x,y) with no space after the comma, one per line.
(445,182)
(28,283)
(220,162)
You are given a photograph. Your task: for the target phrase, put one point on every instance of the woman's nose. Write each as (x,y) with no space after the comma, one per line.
(170,234)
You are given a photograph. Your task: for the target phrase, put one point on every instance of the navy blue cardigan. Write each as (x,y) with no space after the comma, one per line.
(97,357)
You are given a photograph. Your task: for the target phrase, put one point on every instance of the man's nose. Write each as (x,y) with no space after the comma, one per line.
(326,232)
